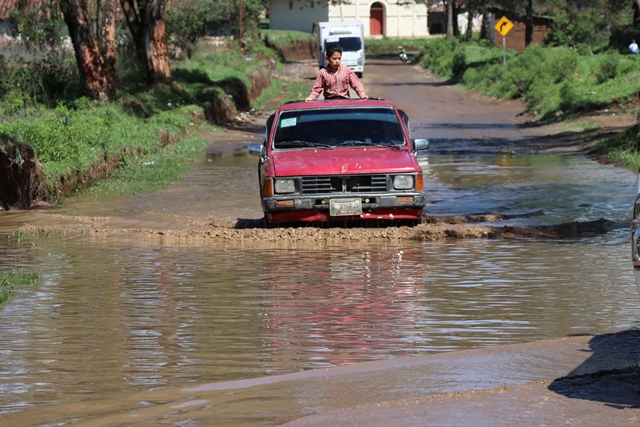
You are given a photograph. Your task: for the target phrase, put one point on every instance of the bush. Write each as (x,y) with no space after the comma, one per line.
(608,67)
(568,96)
(542,97)
(42,81)
(563,63)
(443,57)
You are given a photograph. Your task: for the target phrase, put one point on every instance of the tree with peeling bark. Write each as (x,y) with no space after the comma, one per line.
(93,37)
(146,22)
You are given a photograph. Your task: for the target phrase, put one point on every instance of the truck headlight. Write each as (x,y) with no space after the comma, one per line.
(403,182)
(285,186)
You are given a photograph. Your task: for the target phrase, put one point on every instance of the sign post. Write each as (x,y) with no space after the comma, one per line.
(503,26)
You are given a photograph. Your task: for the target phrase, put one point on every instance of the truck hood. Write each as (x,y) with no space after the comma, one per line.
(343,161)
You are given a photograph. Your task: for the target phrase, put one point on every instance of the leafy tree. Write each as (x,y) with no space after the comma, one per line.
(586,22)
(190,20)
(39,27)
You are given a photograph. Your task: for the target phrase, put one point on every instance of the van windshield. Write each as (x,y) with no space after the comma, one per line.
(349,44)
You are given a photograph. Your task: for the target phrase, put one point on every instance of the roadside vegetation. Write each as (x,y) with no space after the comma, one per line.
(556,83)
(12,280)
(553,81)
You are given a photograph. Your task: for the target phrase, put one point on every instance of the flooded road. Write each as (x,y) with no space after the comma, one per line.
(119,323)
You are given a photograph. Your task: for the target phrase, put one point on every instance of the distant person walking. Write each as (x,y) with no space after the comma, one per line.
(335,79)
(633,47)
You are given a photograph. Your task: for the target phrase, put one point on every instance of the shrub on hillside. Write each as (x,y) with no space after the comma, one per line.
(563,62)
(569,98)
(608,67)
(525,69)
(42,81)
(542,96)
(443,57)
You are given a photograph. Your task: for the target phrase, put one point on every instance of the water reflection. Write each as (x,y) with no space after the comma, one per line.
(119,317)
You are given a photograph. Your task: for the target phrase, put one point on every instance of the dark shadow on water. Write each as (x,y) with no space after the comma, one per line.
(564,142)
(611,375)
(247,223)
(433,84)
(472,126)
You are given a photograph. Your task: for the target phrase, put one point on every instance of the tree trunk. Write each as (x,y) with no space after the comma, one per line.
(636,12)
(528,30)
(94,45)
(484,29)
(469,31)
(450,19)
(454,19)
(135,25)
(157,56)
(145,19)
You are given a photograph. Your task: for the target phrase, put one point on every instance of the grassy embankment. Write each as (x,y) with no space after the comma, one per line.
(557,84)
(151,133)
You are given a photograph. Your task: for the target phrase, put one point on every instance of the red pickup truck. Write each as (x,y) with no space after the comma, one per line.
(330,160)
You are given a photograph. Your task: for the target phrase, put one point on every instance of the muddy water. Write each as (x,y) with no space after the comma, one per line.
(118,324)
(115,317)
(527,189)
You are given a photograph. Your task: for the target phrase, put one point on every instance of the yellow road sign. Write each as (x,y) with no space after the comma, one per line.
(503,26)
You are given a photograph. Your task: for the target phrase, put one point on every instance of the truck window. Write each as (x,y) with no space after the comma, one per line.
(349,44)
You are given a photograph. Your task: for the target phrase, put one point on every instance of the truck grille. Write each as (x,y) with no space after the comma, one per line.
(344,184)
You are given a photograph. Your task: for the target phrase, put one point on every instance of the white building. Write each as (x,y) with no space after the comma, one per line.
(391,18)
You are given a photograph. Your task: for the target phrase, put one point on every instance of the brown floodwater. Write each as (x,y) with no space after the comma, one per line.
(119,325)
(116,316)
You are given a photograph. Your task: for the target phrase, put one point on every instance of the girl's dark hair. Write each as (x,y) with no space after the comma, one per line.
(333,48)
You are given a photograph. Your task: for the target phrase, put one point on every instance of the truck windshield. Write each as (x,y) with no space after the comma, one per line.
(337,127)
(349,44)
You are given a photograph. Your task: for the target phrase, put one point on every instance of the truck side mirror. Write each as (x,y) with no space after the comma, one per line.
(420,144)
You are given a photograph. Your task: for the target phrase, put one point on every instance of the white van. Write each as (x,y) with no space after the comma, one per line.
(350,35)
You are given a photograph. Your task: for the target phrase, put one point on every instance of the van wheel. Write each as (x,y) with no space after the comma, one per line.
(359,75)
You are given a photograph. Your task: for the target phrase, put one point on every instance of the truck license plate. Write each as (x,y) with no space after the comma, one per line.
(345,207)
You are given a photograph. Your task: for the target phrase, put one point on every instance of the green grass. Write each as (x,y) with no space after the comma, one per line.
(581,126)
(281,38)
(387,46)
(279,92)
(624,147)
(12,280)
(151,172)
(74,138)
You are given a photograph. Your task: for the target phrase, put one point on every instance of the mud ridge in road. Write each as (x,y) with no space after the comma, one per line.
(252,232)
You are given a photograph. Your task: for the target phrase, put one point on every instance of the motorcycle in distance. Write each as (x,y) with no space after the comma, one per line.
(402,53)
